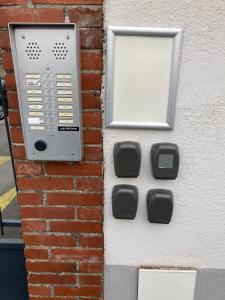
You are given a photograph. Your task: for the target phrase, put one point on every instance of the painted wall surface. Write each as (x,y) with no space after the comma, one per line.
(195,236)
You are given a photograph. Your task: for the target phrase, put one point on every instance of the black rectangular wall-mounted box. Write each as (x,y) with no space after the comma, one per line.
(165,160)
(127,159)
(124,201)
(159,206)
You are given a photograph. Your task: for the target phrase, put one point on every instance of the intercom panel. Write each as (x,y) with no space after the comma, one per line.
(47,67)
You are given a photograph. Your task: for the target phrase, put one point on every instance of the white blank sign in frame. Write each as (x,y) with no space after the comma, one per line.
(142,75)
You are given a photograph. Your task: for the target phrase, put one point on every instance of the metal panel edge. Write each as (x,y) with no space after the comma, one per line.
(11,27)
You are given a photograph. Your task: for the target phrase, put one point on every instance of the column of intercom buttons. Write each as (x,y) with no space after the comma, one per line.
(164,159)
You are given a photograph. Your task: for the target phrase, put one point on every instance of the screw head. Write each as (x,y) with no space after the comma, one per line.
(67,37)
(23,36)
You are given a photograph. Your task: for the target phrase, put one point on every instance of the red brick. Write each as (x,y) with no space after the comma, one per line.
(30,199)
(53,267)
(4,40)
(33,226)
(7,61)
(52,279)
(74,199)
(92,136)
(91,241)
(16,135)
(91,60)
(75,226)
(12,98)
(18,152)
(36,253)
(89,214)
(28,168)
(50,240)
(92,119)
(12,2)
(10,82)
(56,298)
(77,169)
(79,291)
(86,17)
(91,38)
(39,290)
(84,298)
(91,268)
(91,100)
(89,184)
(91,81)
(47,212)
(30,15)
(14,118)
(68,1)
(42,183)
(85,255)
(90,280)
(93,153)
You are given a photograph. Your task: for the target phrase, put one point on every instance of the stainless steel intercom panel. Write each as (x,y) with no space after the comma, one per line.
(47,68)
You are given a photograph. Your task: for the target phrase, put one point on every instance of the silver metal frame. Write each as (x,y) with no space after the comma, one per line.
(112,32)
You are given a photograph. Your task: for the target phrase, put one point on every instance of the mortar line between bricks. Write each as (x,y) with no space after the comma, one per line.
(52,219)
(72,5)
(31,5)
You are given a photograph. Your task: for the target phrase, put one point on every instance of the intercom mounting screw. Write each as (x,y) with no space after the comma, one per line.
(23,36)
(67,37)
(47,68)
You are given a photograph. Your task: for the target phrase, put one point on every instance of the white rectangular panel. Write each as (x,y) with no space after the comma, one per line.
(141,88)
(171,284)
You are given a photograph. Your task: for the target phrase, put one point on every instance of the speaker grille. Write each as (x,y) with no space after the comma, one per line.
(60,51)
(33,50)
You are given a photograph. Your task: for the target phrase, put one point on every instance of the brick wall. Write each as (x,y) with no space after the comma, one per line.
(61,203)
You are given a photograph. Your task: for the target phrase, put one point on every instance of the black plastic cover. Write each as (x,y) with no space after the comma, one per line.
(127,159)
(160,206)
(124,201)
(165,160)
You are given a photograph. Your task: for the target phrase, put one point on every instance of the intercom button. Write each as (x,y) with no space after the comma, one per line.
(40,145)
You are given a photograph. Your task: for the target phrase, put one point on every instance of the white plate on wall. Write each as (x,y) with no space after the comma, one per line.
(171,284)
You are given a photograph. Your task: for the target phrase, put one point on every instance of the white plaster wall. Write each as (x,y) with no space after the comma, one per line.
(196,235)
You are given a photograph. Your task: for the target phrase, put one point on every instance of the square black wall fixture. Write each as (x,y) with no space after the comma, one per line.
(124,201)
(159,206)
(165,160)
(127,159)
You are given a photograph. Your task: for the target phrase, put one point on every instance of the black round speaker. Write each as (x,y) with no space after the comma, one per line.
(40,145)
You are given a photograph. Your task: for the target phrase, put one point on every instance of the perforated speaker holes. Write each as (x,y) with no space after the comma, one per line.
(60,51)
(33,50)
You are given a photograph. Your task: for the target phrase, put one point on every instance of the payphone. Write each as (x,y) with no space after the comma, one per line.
(47,68)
